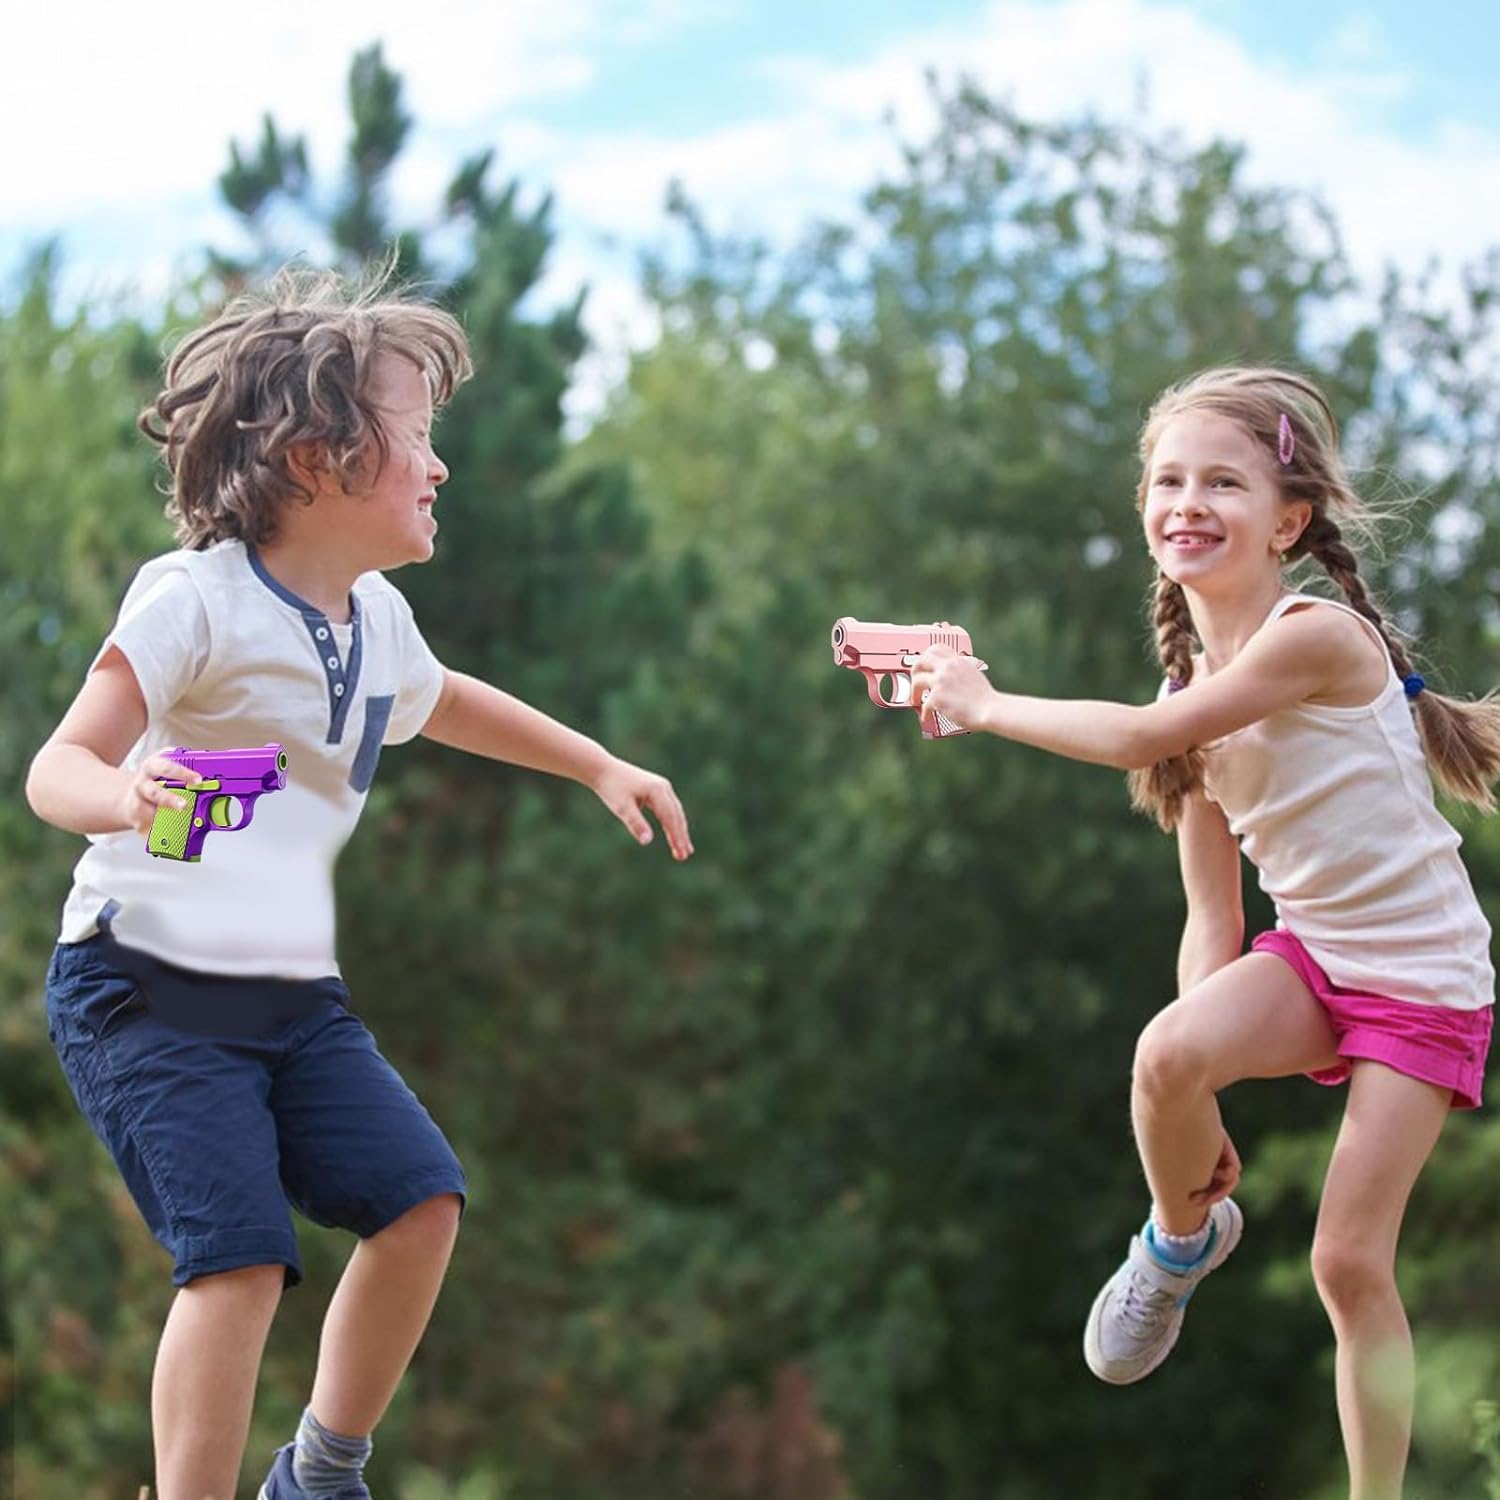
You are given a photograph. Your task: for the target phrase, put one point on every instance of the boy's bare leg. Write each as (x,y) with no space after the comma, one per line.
(1254,1018)
(203,1388)
(1391,1124)
(378,1314)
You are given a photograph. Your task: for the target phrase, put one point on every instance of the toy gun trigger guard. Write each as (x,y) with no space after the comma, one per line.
(218,808)
(900,685)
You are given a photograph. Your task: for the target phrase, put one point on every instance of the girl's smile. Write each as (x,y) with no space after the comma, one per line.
(1213,507)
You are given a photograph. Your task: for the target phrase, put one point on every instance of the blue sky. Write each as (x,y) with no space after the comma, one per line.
(705,72)
(770,111)
(1445,48)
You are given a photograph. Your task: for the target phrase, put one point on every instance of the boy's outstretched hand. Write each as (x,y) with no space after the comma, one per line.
(626,790)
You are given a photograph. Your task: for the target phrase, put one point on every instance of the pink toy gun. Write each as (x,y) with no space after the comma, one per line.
(213,781)
(891,651)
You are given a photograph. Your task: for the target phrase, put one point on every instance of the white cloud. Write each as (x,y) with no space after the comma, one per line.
(1319,127)
(107,104)
(121,117)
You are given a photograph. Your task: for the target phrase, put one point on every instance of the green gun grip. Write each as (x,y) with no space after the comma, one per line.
(170,828)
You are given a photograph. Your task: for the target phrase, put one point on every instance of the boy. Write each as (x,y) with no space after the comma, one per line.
(198,1010)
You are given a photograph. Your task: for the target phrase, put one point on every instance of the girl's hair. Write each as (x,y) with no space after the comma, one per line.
(1461,739)
(285,365)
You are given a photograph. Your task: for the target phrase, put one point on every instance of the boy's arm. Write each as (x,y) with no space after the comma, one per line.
(75,781)
(471,715)
(1214,933)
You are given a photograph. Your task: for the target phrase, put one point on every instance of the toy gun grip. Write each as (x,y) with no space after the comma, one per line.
(179,833)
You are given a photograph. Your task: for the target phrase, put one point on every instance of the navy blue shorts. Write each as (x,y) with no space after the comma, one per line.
(227,1102)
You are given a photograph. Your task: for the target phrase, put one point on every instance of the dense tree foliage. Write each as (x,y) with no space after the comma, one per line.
(796,1168)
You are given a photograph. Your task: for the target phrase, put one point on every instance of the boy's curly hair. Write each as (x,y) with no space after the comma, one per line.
(286,365)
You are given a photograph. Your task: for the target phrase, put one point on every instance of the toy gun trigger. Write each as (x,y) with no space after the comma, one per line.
(220,806)
(900,687)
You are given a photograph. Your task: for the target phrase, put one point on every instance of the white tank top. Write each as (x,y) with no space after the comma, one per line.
(1334,808)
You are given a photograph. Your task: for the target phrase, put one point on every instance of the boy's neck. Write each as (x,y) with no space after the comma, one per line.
(323,581)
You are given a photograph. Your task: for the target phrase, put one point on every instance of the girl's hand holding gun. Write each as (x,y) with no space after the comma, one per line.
(945,681)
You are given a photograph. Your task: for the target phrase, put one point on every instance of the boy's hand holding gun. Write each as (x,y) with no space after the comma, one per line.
(179,797)
(930,668)
(146,793)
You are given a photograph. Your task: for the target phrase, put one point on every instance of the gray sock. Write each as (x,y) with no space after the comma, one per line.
(323,1462)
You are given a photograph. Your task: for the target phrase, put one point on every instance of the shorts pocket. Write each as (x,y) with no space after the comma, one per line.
(87,1011)
(377,716)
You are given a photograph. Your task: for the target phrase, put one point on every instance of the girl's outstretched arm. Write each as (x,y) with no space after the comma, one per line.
(1306,653)
(471,715)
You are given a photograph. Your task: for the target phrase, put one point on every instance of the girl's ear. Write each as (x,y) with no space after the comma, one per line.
(1290,525)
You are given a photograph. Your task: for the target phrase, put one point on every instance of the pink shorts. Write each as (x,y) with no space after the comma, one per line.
(1436,1043)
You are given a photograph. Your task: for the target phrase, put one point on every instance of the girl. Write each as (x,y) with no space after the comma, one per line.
(1283,721)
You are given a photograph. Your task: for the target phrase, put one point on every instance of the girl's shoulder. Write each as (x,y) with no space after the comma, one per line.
(1358,661)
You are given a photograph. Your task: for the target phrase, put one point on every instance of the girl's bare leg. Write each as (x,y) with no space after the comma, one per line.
(1391,1124)
(1254,1018)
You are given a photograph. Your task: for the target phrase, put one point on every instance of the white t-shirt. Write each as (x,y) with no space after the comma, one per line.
(227,659)
(1334,808)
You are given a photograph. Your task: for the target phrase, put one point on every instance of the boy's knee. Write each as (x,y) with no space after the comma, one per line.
(1348,1273)
(1167,1057)
(261,1283)
(432,1223)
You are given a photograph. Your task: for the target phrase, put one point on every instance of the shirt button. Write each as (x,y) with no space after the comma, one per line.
(338,690)
(333,664)
(322,632)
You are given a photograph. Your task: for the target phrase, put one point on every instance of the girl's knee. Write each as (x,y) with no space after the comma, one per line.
(1167,1056)
(1349,1275)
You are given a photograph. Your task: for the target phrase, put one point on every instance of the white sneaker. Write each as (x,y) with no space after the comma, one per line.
(1136,1318)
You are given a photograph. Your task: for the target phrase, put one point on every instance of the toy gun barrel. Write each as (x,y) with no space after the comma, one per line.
(218,781)
(264,767)
(885,654)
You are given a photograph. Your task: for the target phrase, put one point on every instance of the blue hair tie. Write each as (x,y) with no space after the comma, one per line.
(1413,684)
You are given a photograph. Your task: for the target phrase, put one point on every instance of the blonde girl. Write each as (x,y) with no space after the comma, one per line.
(1295,730)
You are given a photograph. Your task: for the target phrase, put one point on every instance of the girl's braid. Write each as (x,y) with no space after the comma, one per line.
(1160,789)
(1323,539)
(1174,631)
(1460,739)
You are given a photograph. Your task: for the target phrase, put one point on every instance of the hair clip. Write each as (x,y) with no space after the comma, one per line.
(1413,684)
(1286,442)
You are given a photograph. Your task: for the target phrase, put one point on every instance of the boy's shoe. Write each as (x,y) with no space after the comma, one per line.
(280,1485)
(1136,1318)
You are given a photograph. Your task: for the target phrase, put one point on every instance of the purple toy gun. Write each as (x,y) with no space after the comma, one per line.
(890,651)
(216,780)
